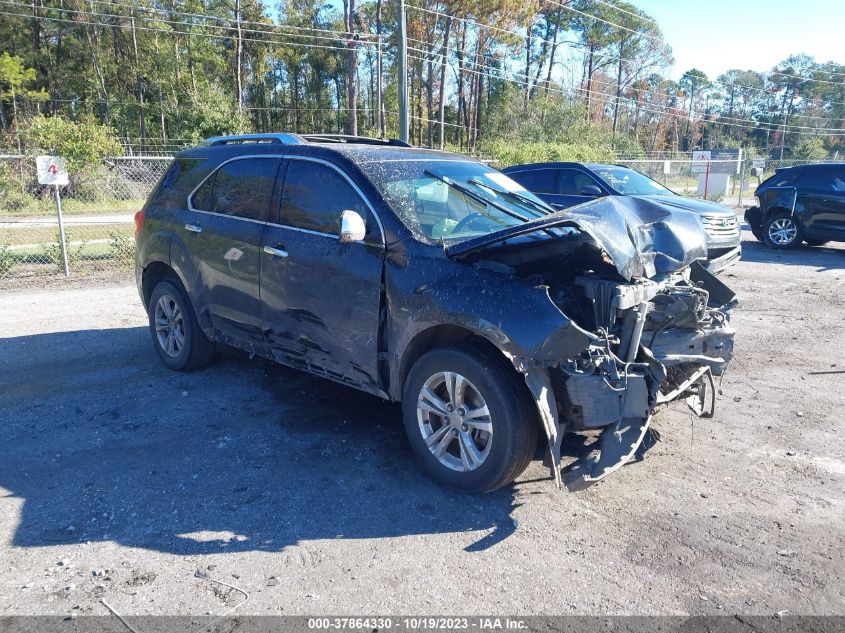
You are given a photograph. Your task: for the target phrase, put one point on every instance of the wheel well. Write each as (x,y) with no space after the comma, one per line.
(153,274)
(776,210)
(439,336)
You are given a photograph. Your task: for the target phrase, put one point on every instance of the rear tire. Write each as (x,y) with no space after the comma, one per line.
(446,394)
(783,231)
(177,337)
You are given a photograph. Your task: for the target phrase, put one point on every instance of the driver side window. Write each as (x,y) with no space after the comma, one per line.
(314,197)
(572,182)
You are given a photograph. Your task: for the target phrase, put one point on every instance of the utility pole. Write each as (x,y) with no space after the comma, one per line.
(352,69)
(379,98)
(403,74)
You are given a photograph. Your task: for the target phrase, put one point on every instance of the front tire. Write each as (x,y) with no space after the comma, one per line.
(469,418)
(177,337)
(783,231)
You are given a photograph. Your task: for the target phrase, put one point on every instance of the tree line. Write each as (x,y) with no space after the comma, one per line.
(579,75)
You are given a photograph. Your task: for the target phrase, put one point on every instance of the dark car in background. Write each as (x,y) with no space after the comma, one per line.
(564,185)
(805,203)
(432,279)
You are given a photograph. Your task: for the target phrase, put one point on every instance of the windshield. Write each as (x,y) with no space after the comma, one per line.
(452,200)
(629,182)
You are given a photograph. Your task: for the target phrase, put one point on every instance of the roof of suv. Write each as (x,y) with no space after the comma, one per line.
(355,149)
(810,166)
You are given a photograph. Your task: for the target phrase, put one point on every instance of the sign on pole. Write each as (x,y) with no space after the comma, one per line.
(759,163)
(51,171)
(700,161)
(726,161)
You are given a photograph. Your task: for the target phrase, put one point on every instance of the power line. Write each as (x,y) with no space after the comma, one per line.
(702,113)
(149,19)
(207,16)
(521,36)
(754,125)
(643,18)
(172,31)
(660,40)
(603,55)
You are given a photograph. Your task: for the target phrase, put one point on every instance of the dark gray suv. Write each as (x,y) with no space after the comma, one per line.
(431,279)
(801,204)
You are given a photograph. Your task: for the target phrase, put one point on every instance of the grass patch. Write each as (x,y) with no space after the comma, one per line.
(38,207)
(48,234)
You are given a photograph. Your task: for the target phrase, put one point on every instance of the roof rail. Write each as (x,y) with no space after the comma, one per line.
(350,138)
(287,138)
(241,139)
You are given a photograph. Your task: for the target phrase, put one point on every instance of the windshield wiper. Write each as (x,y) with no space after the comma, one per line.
(476,196)
(543,207)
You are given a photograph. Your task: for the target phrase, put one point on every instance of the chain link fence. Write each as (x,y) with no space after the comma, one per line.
(692,179)
(98,206)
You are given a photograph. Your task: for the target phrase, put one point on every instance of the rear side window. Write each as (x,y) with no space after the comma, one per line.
(314,197)
(180,178)
(537,180)
(241,188)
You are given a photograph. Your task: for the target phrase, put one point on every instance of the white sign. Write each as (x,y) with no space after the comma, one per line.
(667,167)
(759,163)
(700,161)
(51,170)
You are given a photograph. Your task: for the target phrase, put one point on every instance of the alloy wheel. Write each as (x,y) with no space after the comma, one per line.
(783,231)
(170,326)
(454,421)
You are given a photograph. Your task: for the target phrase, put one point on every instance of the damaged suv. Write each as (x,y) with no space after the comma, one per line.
(431,279)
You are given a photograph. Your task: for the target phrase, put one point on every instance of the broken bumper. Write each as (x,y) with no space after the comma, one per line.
(661,342)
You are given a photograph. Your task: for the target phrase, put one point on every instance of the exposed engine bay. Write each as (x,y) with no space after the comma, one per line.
(657,324)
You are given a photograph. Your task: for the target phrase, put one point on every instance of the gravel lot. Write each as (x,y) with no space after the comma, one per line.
(120,480)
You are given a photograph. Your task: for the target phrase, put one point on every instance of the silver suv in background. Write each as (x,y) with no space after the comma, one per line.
(564,185)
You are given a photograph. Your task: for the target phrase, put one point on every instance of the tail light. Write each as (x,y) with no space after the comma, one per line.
(139,222)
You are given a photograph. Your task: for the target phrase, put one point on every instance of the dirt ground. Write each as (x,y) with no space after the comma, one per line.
(121,480)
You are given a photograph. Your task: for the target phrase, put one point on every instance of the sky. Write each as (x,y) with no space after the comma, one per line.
(717,35)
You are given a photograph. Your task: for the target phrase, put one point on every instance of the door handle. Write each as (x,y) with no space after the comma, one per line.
(276,252)
(193,228)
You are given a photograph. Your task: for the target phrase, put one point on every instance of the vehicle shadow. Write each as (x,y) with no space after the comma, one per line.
(100,442)
(829,257)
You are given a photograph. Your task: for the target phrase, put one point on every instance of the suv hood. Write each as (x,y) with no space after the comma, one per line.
(644,237)
(690,204)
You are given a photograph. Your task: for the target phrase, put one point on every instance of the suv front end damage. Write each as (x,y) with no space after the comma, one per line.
(660,342)
(628,274)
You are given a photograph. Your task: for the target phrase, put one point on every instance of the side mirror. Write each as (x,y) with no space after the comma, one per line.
(591,190)
(352,227)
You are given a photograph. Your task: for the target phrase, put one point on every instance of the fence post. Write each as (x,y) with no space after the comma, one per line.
(741,180)
(61,229)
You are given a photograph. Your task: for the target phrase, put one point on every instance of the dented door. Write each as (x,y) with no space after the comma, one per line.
(321,299)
